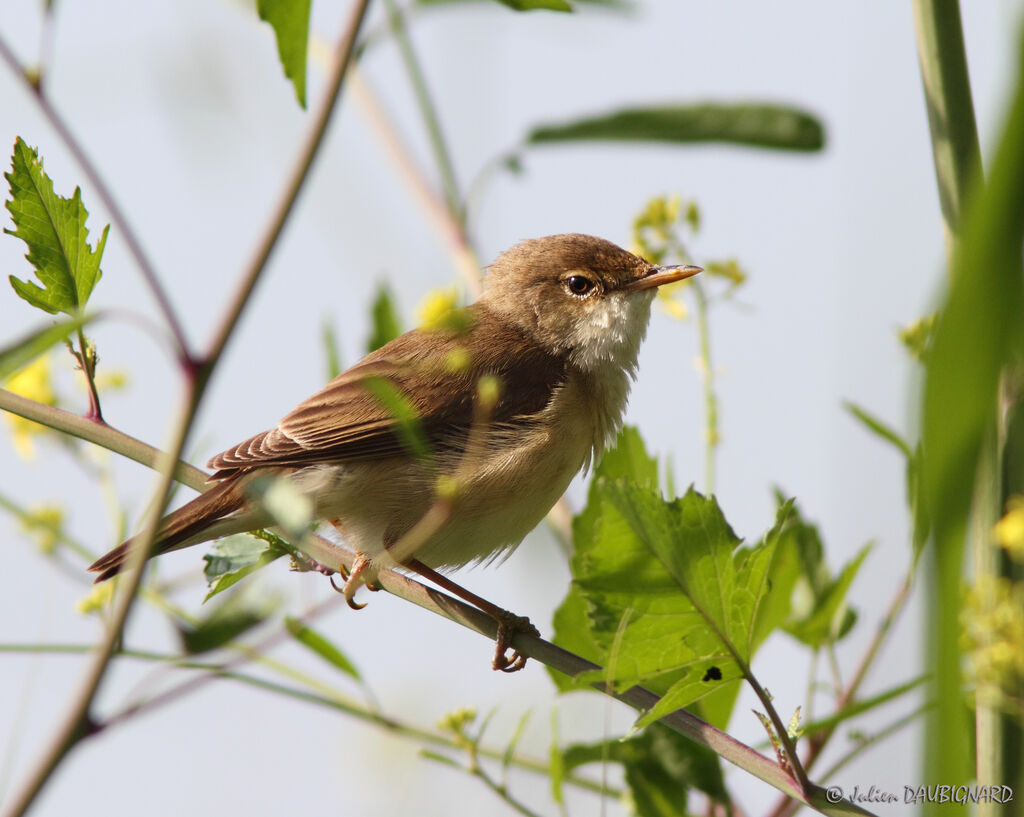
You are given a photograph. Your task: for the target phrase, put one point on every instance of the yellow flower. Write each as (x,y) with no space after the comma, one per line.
(43,523)
(33,382)
(439,312)
(993,633)
(1009,531)
(97,598)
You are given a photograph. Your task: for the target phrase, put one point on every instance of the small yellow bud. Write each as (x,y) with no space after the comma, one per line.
(98,598)
(35,383)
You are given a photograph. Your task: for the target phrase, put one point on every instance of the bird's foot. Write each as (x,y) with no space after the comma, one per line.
(509,624)
(361,573)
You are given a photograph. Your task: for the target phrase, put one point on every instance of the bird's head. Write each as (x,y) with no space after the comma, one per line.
(579,295)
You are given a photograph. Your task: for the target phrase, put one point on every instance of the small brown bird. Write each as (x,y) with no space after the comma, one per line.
(555,335)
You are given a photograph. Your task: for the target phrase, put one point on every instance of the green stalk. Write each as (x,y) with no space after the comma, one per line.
(957,157)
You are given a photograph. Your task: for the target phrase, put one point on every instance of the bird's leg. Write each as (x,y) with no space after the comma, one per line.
(508,623)
(362,572)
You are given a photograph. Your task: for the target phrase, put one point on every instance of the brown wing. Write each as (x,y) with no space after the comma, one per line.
(436,372)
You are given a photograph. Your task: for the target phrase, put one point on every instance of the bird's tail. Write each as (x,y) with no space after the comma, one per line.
(180,528)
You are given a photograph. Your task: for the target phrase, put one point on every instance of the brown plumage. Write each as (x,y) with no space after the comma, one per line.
(563,359)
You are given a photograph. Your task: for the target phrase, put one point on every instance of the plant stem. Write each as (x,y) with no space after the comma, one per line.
(707,382)
(106,197)
(947,91)
(427,109)
(87,361)
(331,701)
(957,157)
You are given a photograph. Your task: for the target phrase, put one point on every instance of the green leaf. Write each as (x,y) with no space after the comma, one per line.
(387,325)
(54,230)
(829,619)
(879,428)
(978,331)
(534,5)
(862,706)
(660,766)
(628,459)
(818,613)
(753,124)
(408,427)
(321,646)
(290,21)
(332,349)
(233,558)
(226,622)
(30,346)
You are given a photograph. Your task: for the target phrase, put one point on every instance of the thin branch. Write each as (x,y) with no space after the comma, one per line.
(688,725)
(293,185)
(106,197)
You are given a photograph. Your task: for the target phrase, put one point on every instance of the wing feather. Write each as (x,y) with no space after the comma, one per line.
(346,420)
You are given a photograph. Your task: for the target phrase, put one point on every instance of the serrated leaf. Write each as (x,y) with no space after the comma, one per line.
(387,325)
(879,428)
(233,558)
(54,229)
(290,21)
(755,125)
(225,622)
(310,638)
(627,459)
(30,346)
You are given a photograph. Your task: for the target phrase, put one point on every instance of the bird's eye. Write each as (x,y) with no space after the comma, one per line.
(579,284)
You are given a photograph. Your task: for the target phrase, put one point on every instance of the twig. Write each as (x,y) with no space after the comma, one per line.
(77,723)
(707,381)
(110,204)
(333,701)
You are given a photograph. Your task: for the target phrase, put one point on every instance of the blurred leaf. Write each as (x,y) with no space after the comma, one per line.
(879,428)
(30,346)
(408,427)
(387,325)
(225,622)
(916,337)
(290,21)
(829,619)
(321,646)
(818,614)
(54,230)
(862,706)
(526,5)
(533,5)
(291,510)
(660,766)
(331,349)
(978,331)
(235,557)
(753,124)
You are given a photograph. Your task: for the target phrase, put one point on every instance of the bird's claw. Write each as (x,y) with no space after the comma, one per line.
(361,573)
(509,625)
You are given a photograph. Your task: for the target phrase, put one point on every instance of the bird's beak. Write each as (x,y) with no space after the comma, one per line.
(662,275)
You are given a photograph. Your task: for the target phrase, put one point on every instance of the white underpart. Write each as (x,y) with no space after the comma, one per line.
(606,347)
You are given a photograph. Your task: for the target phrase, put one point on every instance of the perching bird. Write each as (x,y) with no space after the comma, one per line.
(554,337)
